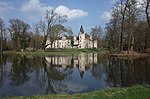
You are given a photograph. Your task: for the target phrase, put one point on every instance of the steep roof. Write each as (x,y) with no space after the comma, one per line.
(81,29)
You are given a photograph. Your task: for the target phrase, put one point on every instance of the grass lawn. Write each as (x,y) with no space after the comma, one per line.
(136,92)
(57,51)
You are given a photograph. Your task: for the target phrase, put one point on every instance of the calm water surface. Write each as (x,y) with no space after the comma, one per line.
(58,74)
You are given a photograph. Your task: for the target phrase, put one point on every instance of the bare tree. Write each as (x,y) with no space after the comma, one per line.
(113,29)
(121,29)
(35,38)
(1,33)
(69,31)
(52,19)
(19,33)
(132,14)
(147,11)
(123,11)
(96,33)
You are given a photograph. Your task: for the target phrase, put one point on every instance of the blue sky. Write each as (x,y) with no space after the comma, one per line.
(88,13)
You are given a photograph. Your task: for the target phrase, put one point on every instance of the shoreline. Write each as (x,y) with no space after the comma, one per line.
(55,52)
(135,92)
(131,55)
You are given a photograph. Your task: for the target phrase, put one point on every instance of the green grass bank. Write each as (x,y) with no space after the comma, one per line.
(56,52)
(136,92)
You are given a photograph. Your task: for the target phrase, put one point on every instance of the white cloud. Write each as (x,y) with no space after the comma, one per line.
(35,9)
(105,16)
(71,14)
(5,8)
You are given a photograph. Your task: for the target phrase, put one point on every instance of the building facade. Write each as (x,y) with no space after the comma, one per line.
(83,40)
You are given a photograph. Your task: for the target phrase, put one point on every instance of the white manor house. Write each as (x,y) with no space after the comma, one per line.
(83,40)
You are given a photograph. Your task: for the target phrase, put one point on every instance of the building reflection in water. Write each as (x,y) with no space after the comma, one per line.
(82,61)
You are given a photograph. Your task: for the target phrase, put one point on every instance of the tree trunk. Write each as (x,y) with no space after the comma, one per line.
(132,32)
(44,43)
(132,42)
(123,11)
(146,40)
(129,43)
(1,29)
(147,13)
(93,43)
(131,28)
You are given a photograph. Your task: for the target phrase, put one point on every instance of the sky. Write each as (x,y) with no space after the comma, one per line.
(87,13)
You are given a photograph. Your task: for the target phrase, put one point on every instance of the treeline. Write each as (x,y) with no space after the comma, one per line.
(20,36)
(129,28)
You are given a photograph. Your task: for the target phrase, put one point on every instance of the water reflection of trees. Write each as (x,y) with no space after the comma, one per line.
(24,68)
(128,72)
(53,78)
(98,68)
(18,73)
(2,69)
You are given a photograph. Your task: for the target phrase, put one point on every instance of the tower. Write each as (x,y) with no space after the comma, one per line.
(81,30)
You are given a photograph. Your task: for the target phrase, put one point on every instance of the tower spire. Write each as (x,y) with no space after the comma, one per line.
(81,29)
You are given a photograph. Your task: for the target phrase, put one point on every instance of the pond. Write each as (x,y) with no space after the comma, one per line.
(59,74)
